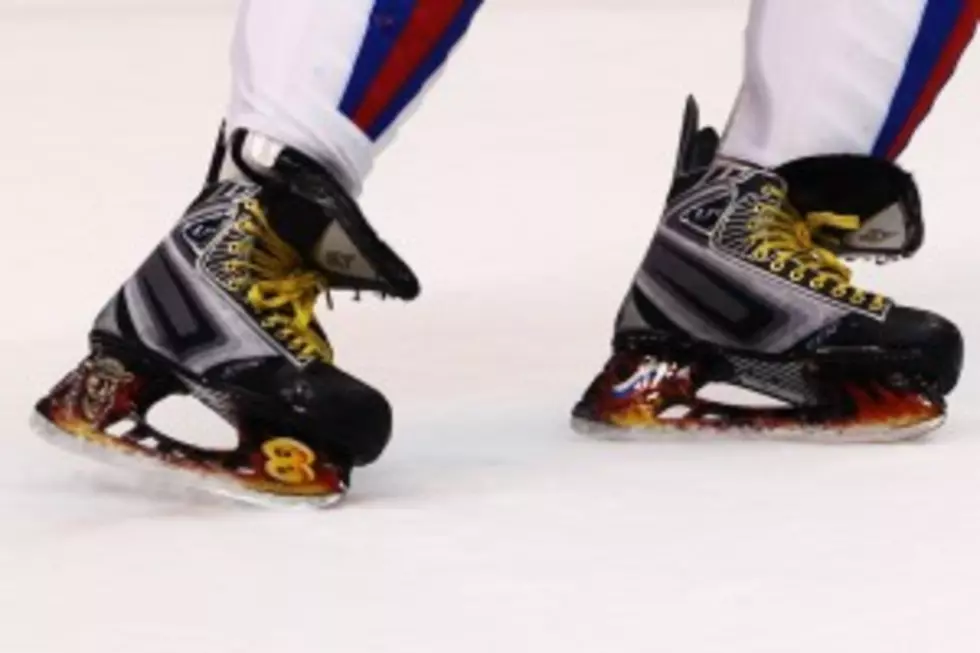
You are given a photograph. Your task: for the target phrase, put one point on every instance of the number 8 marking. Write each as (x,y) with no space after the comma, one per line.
(289,461)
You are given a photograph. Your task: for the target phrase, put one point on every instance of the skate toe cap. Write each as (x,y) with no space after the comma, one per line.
(354,416)
(938,339)
(349,418)
(944,349)
(931,345)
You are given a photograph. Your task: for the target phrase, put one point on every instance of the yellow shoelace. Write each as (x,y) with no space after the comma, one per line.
(783,237)
(280,288)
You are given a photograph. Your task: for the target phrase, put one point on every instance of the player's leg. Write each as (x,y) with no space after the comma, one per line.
(742,284)
(223,308)
(334,79)
(838,76)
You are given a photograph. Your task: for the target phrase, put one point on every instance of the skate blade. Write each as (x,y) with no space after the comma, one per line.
(632,399)
(109,450)
(667,432)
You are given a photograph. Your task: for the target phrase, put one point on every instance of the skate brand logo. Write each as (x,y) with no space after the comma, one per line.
(703,211)
(884,231)
(335,252)
(876,236)
(200,233)
(702,216)
(338,260)
(205,219)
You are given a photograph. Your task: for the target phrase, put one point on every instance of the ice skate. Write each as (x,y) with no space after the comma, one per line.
(735,290)
(223,310)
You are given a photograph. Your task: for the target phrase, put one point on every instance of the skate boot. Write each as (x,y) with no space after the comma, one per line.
(736,292)
(222,310)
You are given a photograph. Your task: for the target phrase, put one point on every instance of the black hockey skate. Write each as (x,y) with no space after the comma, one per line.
(734,290)
(223,310)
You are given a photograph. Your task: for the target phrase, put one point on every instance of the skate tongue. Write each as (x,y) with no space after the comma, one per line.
(886,232)
(311,210)
(336,254)
(884,197)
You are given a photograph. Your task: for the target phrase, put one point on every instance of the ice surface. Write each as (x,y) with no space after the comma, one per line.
(524,192)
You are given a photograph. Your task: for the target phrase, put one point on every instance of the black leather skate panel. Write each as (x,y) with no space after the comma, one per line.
(932,344)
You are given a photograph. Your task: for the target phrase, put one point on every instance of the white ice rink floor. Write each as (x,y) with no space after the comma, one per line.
(524,192)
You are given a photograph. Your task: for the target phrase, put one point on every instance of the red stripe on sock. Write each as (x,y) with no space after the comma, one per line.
(961,36)
(429,21)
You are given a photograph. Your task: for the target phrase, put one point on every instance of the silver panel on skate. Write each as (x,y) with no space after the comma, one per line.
(525,193)
(799,316)
(235,336)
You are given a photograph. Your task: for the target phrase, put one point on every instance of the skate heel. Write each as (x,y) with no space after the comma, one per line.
(109,389)
(101,407)
(639,391)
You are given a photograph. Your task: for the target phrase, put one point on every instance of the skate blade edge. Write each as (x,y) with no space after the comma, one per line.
(804,434)
(170,475)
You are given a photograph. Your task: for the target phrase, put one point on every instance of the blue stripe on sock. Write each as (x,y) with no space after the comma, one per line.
(388,20)
(938,21)
(429,66)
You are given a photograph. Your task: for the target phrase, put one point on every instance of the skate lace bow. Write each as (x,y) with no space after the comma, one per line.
(281,290)
(782,237)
